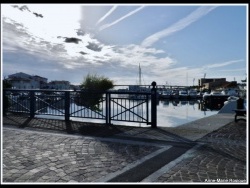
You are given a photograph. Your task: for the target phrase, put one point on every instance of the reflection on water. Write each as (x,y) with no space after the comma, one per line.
(170,113)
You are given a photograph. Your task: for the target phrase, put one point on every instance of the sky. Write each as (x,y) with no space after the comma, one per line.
(172,44)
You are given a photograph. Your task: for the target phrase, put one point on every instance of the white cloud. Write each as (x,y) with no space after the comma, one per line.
(36,40)
(55,22)
(111,60)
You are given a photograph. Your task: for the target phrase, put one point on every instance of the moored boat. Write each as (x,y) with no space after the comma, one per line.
(183,94)
(175,94)
(166,94)
(192,94)
(215,100)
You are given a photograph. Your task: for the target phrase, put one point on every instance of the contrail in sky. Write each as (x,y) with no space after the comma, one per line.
(120,19)
(107,14)
(223,64)
(181,24)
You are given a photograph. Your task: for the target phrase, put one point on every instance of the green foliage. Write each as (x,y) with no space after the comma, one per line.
(93,87)
(96,83)
(6,84)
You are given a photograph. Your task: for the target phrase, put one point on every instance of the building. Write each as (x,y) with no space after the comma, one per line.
(42,81)
(59,85)
(211,83)
(229,88)
(75,87)
(25,81)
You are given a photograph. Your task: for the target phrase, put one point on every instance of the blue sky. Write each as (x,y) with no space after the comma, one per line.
(174,44)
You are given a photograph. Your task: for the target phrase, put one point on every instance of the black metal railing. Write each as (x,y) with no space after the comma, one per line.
(111,106)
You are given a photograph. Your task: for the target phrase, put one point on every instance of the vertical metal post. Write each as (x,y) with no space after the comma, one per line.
(32,104)
(147,111)
(153,105)
(67,105)
(108,108)
(5,102)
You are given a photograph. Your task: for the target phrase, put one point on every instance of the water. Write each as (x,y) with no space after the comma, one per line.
(173,113)
(170,113)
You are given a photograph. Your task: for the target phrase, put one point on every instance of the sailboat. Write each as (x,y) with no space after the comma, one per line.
(139,87)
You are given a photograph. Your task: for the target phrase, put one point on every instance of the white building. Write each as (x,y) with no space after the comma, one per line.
(25,81)
(59,85)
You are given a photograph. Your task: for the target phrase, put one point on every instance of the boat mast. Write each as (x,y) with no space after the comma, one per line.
(139,74)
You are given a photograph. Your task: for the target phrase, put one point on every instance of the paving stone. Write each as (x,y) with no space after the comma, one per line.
(30,156)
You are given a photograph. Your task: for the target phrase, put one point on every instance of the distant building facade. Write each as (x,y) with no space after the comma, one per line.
(207,83)
(59,85)
(219,84)
(25,81)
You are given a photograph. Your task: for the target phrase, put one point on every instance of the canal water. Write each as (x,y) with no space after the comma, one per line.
(170,113)
(173,113)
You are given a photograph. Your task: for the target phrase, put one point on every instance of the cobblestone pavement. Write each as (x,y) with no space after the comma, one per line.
(97,154)
(220,157)
(30,156)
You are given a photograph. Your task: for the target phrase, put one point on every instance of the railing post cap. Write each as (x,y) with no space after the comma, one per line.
(153,83)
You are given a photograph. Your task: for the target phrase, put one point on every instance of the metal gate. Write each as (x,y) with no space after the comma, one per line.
(111,106)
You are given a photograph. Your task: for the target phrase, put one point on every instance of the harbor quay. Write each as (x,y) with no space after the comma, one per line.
(210,150)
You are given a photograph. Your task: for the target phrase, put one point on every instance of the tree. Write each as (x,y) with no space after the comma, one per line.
(6,84)
(93,87)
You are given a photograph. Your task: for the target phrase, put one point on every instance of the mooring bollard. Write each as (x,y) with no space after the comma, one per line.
(240,103)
